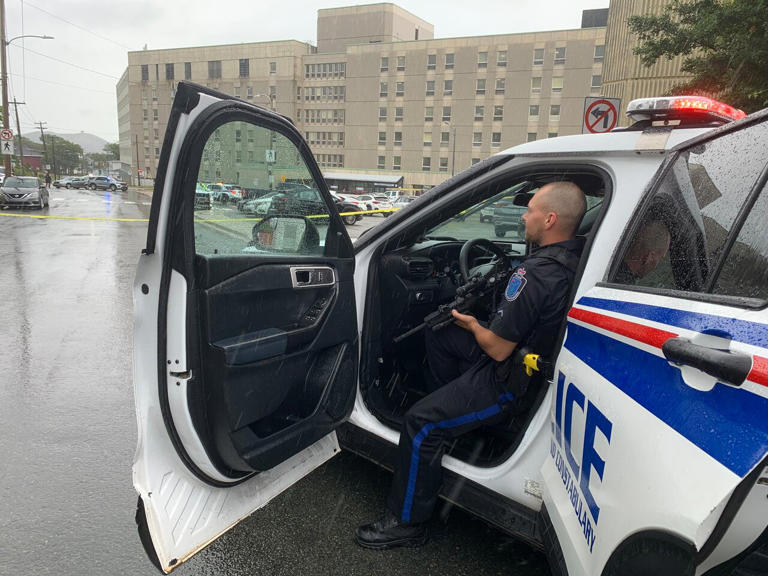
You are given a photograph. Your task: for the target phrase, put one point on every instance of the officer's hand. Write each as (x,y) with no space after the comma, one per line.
(464,320)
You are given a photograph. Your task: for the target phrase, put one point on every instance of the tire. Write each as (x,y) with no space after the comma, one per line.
(349,219)
(92,187)
(68,186)
(650,556)
(224,200)
(386,214)
(41,205)
(47,201)
(500,233)
(112,187)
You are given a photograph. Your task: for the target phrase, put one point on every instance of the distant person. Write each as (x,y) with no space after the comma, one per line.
(48,179)
(648,248)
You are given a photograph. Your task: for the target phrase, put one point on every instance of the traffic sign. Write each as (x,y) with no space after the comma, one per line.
(269,156)
(6,134)
(7,147)
(600,115)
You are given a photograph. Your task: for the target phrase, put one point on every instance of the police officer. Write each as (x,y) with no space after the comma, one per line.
(470,364)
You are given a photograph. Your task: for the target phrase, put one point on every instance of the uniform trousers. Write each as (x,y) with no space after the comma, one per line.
(466,397)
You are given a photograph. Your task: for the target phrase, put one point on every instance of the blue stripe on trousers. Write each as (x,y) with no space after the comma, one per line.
(424,432)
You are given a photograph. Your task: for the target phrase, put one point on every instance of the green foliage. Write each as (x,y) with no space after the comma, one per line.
(113,149)
(724,45)
(68,156)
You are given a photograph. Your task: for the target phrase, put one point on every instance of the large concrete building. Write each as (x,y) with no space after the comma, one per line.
(381,98)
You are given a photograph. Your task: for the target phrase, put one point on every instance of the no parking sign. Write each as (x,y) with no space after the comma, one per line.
(600,115)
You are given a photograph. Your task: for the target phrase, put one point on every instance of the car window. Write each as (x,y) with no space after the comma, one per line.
(261,161)
(683,229)
(21,182)
(745,271)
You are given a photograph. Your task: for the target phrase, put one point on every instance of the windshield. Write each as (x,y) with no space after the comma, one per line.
(493,218)
(21,182)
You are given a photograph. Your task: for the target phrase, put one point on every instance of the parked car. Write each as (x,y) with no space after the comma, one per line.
(105,183)
(402,201)
(508,218)
(226,193)
(345,206)
(71,182)
(203,197)
(638,446)
(486,214)
(24,191)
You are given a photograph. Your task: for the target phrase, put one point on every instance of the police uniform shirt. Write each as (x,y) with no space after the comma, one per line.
(536,297)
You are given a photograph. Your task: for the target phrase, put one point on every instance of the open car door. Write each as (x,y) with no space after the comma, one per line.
(245,338)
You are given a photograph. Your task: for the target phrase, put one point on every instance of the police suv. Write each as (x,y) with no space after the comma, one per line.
(264,347)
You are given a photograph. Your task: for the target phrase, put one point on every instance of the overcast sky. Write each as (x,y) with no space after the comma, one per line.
(69,82)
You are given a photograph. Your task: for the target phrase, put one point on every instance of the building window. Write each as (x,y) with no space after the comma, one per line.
(237,91)
(538,56)
(382,138)
(599,52)
(533,110)
(444,164)
(250,92)
(273,92)
(597,81)
(531,136)
(401,63)
(154,115)
(551,134)
(560,55)
(273,67)
(169,72)
(447,87)
(482,59)
(554,111)
(445,138)
(427,138)
(431,61)
(145,72)
(399,114)
(381,162)
(383,90)
(396,163)
(382,114)
(214,69)
(495,139)
(187,70)
(480,86)
(446,113)
(146,114)
(499,85)
(298,93)
(449,61)
(501,58)
(557,84)
(398,138)
(238,156)
(384,66)
(429,113)
(430,87)
(475,161)
(426,163)
(399,88)
(479,113)
(536,84)
(477,139)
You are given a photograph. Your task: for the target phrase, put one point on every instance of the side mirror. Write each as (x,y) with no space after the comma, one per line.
(522,198)
(290,234)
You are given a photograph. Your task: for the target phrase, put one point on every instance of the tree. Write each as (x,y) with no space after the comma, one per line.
(113,149)
(68,156)
(724,45)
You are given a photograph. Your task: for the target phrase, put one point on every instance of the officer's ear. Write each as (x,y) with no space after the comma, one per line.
(550,220)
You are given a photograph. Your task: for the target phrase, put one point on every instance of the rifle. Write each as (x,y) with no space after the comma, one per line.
(466,297)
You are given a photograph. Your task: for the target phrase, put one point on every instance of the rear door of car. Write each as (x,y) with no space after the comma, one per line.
(245,340)
(659,427)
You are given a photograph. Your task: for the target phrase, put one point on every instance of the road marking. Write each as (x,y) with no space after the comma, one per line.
(44,217)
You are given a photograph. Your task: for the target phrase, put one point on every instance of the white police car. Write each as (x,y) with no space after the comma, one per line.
(645,453)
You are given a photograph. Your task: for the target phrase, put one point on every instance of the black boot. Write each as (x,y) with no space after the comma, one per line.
(389,532)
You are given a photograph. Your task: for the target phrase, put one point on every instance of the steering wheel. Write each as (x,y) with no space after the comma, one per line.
(501,257)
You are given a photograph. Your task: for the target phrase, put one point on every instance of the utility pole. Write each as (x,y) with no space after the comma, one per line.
(53,153)
(136,147)
(42,137)
(4,63)
(18,130)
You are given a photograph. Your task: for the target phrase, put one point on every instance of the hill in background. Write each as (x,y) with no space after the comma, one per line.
(90,143)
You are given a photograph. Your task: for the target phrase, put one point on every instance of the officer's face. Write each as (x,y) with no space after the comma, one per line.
(534,219)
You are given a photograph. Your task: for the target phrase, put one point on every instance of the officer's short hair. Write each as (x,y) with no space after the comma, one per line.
(566,200)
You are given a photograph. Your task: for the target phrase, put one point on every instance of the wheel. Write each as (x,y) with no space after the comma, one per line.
(41,205)
(224,200)
(349,219)
(47,201)
(112,187)
(68,186)
(92,187)
(386,214)
(482,219)
(500,233)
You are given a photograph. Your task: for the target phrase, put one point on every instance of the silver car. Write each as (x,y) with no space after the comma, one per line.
(24,191)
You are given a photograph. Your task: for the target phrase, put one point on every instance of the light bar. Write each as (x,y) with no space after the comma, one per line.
(681,107)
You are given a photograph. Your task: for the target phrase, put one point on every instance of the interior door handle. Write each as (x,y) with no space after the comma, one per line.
(312,276)
(728,367)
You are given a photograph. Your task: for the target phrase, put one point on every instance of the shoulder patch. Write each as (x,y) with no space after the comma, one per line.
(516,284)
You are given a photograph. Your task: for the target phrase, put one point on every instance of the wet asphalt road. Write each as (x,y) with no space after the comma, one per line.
(67,429)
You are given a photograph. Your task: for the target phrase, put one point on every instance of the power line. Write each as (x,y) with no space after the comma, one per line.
(67,63)
(66,85)
(77,26)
